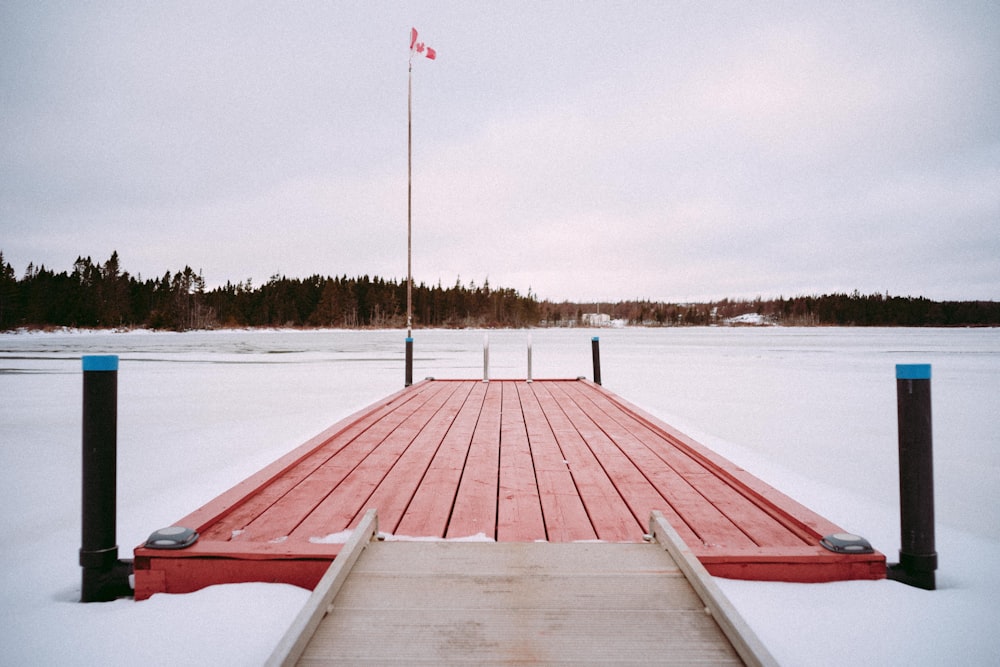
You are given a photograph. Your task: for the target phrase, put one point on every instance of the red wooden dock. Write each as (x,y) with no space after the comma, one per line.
(506,460)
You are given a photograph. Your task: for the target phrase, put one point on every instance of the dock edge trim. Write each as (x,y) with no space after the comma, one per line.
(740,635)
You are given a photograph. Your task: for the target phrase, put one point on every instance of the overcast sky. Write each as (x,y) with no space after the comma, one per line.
(585,150)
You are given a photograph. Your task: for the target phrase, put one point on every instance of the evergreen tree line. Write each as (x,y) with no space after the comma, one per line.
(853,309)
(104,295)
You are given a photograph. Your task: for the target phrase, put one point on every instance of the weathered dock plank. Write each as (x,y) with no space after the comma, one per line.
(609,513)
(565,516)
(519,505)
(475,508)
(516,603)
(430,509)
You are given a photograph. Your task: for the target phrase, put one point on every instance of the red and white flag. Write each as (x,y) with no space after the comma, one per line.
(420,47)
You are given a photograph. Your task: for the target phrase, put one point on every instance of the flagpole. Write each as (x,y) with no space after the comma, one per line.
(408,371)
(409,201)
(431,54)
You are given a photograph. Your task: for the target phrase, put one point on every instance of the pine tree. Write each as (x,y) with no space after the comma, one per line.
(8,294)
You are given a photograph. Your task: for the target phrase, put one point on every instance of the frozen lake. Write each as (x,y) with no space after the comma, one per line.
(812,411)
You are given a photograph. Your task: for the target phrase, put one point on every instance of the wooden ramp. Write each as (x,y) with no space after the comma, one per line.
(517,603)
(509,461)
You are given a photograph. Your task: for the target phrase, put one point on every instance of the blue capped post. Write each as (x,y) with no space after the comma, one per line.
(917,557)
(105,577)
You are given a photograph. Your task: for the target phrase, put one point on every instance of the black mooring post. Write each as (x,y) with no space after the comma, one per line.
(409,362)
(917,557)
(104,576)
(595,348)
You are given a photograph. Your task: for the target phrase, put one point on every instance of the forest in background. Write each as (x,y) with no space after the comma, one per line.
(104,295)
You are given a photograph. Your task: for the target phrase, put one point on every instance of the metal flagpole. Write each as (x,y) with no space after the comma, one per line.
(408,371)
(409,201)
(430,54)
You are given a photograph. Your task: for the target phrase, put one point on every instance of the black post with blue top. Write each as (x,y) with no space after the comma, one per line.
(409,362)
(105,577)
(595,349)
(917,557)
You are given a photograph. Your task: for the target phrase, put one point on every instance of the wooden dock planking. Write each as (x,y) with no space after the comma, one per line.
(515,603)
(762,528)
(725,515)
(693,516)
(519,505)
(693,461)
(609,514)
(345,502)
(565,516)
(396,491)
(309,479)
(631,483)
(430,508)
(513,461)
(475,509)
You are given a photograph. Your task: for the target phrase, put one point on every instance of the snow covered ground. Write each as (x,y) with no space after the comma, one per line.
(810,411)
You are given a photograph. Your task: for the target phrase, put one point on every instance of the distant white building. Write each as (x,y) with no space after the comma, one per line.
(596,320)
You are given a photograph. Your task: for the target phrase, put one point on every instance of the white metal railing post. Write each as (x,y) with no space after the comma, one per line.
(529,357)
(486,357)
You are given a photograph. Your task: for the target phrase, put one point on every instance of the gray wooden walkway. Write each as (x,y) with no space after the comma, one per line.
(509,603)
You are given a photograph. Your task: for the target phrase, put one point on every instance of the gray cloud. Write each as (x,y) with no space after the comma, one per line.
(609,151)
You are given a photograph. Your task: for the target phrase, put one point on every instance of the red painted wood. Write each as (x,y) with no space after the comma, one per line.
(631,482)
(475,510)
(808,525)
(395,492)
(810,570)
(431,506)
(798,518)
(279,550)
(186,575)
(694,517)
(557,460)
(218,510)
(723,514)
(565,516)
(609,514)
(233,524)
(282,517)
(519,508)
(757,524)
(350,496)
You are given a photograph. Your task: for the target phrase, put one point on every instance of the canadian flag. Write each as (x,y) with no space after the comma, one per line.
(420,47)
